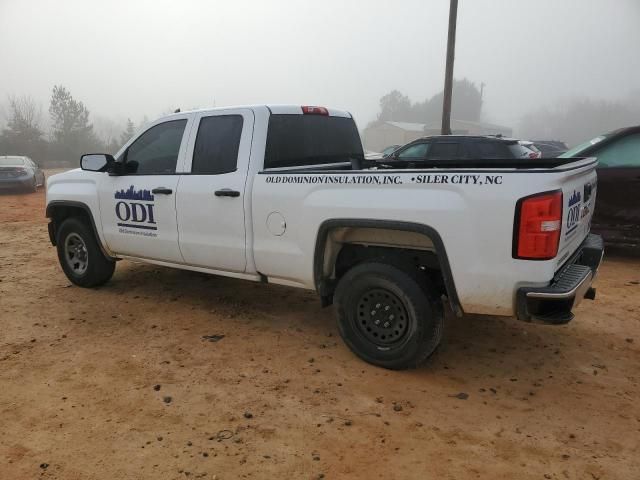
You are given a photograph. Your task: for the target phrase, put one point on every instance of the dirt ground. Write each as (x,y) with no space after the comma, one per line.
(120,383)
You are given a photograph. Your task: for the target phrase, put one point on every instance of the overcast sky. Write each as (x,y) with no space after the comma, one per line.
(135,57)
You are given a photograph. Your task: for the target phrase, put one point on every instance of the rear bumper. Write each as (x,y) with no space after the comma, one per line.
(15,183)
(554,302)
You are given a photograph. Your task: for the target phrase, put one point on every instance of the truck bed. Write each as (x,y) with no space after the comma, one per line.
(470,203)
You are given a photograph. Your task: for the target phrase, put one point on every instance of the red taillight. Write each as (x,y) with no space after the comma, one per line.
(311,110)
(538,226)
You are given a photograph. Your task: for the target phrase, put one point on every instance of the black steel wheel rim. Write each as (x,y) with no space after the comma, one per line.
(381,317)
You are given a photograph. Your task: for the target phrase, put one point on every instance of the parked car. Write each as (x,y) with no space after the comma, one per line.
(617,215)
(531,146)
(279,194)
(17,172)
(550,148)
(460,147)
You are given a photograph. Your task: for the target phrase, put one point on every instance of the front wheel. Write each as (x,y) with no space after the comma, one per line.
(388,316)
(80,255)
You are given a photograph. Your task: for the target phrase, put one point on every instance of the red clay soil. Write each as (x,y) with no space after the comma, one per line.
(121,383)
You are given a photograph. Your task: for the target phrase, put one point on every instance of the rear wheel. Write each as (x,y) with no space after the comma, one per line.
(80,255)
(389,316)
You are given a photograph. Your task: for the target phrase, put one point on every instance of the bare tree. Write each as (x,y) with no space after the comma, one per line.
(22,134)
(24,114)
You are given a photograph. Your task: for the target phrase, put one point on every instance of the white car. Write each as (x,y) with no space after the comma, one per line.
(282,194)
(531,146)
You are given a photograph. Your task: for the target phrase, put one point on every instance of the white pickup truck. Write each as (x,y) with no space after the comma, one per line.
(283,194)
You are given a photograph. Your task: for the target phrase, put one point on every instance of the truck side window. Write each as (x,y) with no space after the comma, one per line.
(217,144)
(155,152)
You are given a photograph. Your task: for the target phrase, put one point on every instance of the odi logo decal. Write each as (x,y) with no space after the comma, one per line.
(574,215)
(134,210)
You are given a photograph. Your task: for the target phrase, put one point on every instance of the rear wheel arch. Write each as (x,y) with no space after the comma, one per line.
(414,239)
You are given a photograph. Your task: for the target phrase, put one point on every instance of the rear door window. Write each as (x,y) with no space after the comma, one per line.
(300,140)
(217,144)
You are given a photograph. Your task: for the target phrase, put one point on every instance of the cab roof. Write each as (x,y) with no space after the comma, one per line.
(274,109)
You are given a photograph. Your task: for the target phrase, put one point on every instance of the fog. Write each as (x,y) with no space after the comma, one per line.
(135,58)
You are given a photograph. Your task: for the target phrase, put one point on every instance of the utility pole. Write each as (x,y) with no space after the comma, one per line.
(448,75)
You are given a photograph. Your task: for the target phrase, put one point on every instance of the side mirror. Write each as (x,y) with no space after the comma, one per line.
(97,162)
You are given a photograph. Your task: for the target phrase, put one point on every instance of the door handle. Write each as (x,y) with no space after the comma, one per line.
(227,192)
(162,191)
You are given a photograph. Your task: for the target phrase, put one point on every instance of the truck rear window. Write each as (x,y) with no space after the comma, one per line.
(300,140)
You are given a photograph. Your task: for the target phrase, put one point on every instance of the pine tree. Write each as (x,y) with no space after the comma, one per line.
(128,133)
(71,133)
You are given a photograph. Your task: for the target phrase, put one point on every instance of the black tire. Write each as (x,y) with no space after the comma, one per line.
(85,267)
(405,299)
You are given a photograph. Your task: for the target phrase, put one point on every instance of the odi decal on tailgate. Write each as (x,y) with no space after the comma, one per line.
(134,211)
(575,210)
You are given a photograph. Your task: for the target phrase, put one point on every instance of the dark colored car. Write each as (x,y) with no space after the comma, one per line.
(550,148)
(617,214)
(20,173)
(457,147)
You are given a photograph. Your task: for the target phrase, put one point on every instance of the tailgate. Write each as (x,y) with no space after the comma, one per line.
(578,196)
